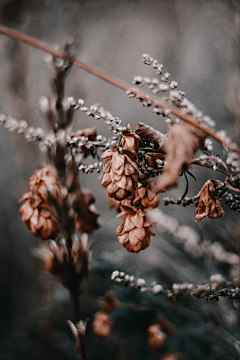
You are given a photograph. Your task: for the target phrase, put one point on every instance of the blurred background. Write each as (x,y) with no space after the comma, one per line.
(198,43)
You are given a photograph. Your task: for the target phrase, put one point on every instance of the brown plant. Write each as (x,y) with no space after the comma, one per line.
(71,268)
(156,337)
(145,196)
(135,229)
(119,174)
(85,215)
(182,142)
(42,181)
(102,324)
(209,201)
(36,213)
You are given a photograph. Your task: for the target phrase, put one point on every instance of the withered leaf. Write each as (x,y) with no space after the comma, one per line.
(148,133)
(208,201)
(90,133)
(182,142)
(86,215)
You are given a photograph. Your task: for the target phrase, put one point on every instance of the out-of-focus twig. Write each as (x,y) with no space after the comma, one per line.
(114,81)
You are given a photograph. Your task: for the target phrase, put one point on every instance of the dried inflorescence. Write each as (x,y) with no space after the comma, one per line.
(36,212)
(71,267)
(43,181)
(119,174)
(145,196)
(135,229)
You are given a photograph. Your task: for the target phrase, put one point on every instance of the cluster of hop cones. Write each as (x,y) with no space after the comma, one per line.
(131,191)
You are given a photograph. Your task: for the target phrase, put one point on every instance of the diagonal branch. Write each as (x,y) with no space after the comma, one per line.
(114,81)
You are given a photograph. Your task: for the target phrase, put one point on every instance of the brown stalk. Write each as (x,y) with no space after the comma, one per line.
(14,34)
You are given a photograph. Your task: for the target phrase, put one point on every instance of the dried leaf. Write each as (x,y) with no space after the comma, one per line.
(90,133)
(86,215)
(208,201)
(148,133)
(183,141)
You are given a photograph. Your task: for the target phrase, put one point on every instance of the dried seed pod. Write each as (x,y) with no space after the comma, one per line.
(37,215)
(135,229)
(42,180)
(156,337)
(145,196)
(86,215)
(102,324)
(130,141)
(71,270)
(208,201)
(120,174)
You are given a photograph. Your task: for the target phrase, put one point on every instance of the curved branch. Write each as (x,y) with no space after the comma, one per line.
(114,81)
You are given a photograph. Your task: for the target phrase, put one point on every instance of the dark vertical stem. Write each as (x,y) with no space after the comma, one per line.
(80,341)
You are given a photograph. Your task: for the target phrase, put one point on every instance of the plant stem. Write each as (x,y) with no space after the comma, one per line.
(114,81)
(80,341)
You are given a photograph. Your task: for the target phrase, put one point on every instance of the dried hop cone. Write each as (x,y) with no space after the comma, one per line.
(43,181)
(120,174)
(130,141)
(37,215)
(156,337)
(135,229)
(69,269)
(102,324)
(145,196)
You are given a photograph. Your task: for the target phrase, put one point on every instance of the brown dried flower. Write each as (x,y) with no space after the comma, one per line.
(145,196)
(42,181)
(156,337)
(182,142)
(102,324)
(86,215)
(69,269)
(208,201)
(37,215)
(130,141)
(135,229)
(119,174)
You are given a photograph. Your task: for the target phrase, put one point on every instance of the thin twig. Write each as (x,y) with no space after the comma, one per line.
(199,161)
(114,81)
